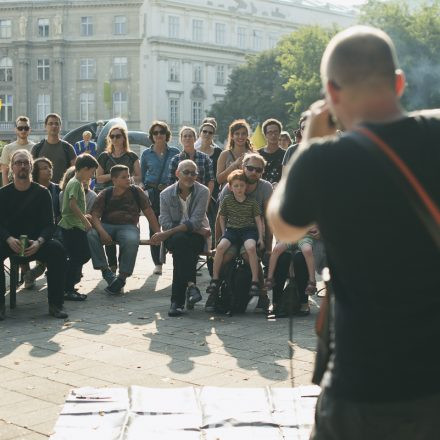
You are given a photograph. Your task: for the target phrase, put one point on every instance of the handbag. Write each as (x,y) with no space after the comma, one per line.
(425,208)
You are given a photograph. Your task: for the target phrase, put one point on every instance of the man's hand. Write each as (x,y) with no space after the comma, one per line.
(158,237)
(204,232)
(14,244)
(319,123)
(105,238)
(32,249)
(314,232)
(260,243)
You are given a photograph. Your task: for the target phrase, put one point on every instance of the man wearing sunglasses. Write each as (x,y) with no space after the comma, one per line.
(22,130)
(185,231)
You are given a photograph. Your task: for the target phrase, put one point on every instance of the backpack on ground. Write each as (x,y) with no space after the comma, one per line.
(233,294)
(289,302)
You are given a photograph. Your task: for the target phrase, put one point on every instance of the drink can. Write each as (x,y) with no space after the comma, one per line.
(24,243)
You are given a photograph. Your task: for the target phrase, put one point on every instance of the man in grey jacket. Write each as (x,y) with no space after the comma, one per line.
(185,229)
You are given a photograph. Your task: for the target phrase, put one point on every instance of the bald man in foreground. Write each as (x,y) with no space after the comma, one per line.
(382,381)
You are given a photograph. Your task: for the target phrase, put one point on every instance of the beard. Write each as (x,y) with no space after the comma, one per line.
(23,175)
(250,180)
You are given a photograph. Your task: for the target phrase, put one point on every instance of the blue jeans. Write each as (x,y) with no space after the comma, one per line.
(127,236)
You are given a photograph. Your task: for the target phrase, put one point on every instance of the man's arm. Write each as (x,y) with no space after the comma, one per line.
(152,220)
(77,212)
(198,214)
(5,172)
(221,224)
(259,224)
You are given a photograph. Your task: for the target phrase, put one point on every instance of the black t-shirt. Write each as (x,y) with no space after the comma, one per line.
(26,212)
(385,267)
(274,167)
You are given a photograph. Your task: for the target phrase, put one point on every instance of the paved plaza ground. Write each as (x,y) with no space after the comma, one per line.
(129,339)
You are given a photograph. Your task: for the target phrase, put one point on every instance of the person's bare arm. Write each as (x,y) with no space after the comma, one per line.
(222,224)
(5,172)
(223,171)
(103,234)
(152,220)
(259,224)
(162,236)
(210,186)
(137,172)
(75,209)
(268,236)
(101,177)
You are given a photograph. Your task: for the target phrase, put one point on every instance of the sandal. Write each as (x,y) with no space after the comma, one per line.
(269,284)
(213,287)
(311,288)
(255,289)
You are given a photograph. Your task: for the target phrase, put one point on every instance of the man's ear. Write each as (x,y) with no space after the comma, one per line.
(333,91)
(400,82)
(177,172)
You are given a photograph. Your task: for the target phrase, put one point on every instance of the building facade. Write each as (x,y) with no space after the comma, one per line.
(140,60)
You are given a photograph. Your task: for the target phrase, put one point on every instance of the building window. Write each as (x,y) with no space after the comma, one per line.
(197,30)
(120,25)
(43,107)
(6,109)
(273,40)
(220,33)
(120,68)
(197,113)
(86,26)
(241,37)
(5,29)
(173,70)
(87,68)
(6,69)
(86,107)
(43,69)
(174,111)
(120,105)
(43,27)
(220,75)
(173,26)
(197,73)
(257,40)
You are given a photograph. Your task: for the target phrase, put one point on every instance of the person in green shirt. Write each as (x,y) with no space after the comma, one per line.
(74,224)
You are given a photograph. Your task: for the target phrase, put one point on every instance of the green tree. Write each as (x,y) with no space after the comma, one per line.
(254,92)
(300,58)
(416,34)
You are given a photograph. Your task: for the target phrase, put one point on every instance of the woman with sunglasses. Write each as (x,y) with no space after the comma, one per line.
(237,145)
(155,163)
(117,152)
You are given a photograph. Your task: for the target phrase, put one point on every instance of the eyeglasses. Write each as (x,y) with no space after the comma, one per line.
(55,124)
(189,173)
(158,132)
(258,170)
(23,128)
(115,136)
(209,133)
(22,163)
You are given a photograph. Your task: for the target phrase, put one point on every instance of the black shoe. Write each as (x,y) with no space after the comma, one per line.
(73,295)
(175,310)
(57,312)
(193,296)
(116,287)
(2,312)
(210,302)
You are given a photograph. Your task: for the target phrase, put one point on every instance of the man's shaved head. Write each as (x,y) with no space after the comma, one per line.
(360,56)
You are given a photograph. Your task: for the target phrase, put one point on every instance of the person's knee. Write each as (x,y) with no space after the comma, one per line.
(307,250)
(250,246)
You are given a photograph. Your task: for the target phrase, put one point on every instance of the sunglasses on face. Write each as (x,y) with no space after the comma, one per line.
(207,132)
(23,128)
(158,132)
(115,136)
(258,170)
(189,173)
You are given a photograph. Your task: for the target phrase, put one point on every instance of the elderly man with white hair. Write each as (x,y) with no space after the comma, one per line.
(185,229)
(86,145)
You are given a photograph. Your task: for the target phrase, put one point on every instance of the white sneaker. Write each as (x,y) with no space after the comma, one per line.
(157,269)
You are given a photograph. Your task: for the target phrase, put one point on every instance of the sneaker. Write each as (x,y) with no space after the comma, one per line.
(31,275)
(175,310)
(108,276)
(2,312)
(193,296)
(210,302)
(73,295)
(57,312)
(116,287)
(157,269)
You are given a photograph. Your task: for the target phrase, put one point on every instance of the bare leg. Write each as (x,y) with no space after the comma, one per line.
(222,247)
(251,250)
(307,251)
(276,252)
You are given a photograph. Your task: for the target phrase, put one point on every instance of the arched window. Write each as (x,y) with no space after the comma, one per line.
(6,66)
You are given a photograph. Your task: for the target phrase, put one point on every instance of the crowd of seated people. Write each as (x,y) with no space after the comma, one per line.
(197,200)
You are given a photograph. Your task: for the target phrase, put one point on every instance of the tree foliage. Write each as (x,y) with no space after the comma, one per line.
(416,35)
(254,92)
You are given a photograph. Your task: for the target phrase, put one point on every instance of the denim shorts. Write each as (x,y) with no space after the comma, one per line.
(238,236)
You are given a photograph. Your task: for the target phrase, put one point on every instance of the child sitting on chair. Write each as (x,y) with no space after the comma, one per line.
(240,223)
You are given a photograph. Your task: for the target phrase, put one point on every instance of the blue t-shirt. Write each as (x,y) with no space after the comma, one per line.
(152,164)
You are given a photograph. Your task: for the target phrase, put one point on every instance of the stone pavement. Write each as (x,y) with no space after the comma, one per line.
(121,341)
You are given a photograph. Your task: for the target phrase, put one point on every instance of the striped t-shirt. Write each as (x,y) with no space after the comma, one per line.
(239,214)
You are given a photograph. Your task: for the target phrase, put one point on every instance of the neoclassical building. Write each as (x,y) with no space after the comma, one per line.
(141,60)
